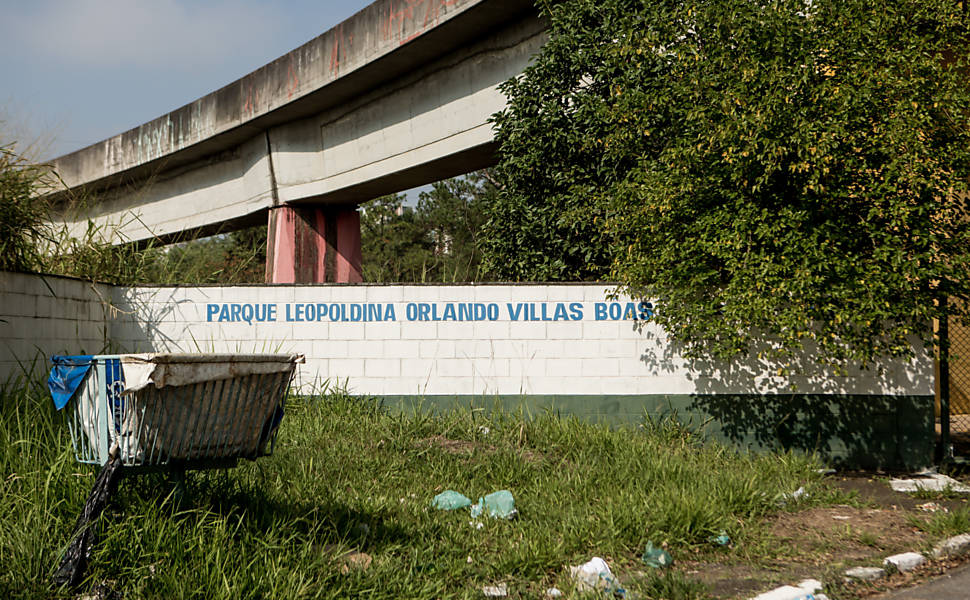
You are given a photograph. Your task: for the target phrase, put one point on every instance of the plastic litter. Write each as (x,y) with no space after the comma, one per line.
(658,558)
(794,496)
(498,505)
(932,507)
(449,500)
(721,539)
(553,593)
(496,591)
(596,575)
(355,561)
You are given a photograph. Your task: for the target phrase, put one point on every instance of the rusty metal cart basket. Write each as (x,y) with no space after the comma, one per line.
(190,410)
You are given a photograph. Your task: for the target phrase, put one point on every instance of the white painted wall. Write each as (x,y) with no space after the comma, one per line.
(44,316)
(403,356)
(41,316)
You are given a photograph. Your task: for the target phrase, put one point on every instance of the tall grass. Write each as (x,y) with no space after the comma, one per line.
(349,475)
(21,215)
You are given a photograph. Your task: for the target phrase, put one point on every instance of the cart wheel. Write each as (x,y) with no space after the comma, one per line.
(180,492)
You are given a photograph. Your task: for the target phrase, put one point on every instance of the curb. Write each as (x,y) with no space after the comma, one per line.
(953,547)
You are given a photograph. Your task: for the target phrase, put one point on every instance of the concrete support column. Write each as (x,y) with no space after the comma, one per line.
(313,244)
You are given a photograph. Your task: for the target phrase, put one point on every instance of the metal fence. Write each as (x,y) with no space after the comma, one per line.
(953,390)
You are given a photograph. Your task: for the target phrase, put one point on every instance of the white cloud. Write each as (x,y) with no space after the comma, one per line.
(172,35)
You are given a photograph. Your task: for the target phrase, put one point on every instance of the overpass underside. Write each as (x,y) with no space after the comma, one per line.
(397,110)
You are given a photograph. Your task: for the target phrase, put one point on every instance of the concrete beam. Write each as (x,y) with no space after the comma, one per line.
(396,96)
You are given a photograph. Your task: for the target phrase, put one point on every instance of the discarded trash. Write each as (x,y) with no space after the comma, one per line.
(449,500)
(721,539)
(796,495)
(496,591)
(71,569)
(932,507)
(825,471)
(907,561)
(929,482)
(498,505)
(596,575)
(553,593)
(482,429)
(355,561)
(841,517)
(103,591)
(658,558)
(476,524)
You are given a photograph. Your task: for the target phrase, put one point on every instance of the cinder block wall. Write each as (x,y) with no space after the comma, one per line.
(523,340)
(567,348)
(45,315)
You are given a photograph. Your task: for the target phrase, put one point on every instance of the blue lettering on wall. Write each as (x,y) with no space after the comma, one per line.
(306,312)
(616,311)
(576,311)
(240,313)
(450,311)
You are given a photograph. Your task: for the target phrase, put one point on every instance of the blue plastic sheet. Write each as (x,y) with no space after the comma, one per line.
(66,375)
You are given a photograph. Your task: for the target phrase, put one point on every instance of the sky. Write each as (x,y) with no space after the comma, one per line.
(75,72)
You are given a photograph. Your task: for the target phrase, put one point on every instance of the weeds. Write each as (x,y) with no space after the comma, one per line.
(348,474)
(21,216)
(943,524)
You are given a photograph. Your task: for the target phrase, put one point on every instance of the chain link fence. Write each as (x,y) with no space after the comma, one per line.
(958,387)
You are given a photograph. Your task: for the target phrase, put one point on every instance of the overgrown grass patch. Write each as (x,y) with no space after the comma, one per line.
(350,475)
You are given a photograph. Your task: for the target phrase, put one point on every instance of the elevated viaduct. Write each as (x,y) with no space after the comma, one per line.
(396,96)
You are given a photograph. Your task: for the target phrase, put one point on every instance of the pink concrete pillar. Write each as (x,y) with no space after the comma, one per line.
(348,247)
(313,244)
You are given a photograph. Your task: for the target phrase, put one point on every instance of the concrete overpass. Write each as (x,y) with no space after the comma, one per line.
(396,96)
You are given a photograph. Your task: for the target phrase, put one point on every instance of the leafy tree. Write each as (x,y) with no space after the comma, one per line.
(393,247)
(777,173)
(236,257)
(436,240)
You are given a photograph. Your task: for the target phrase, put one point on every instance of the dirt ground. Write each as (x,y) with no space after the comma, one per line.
(820,543)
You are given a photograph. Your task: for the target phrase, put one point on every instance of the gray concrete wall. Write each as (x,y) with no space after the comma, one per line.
(396,96)
(41,316)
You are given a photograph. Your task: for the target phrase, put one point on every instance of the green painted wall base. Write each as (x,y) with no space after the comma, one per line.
(871,432)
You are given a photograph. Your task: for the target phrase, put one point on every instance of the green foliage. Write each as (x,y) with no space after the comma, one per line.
(433,241)
(943,524)
(22,217)
(29,241)
(777,174)
(233,258)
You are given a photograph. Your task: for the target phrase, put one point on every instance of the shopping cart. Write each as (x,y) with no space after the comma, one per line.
(132,413)
(190,410)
